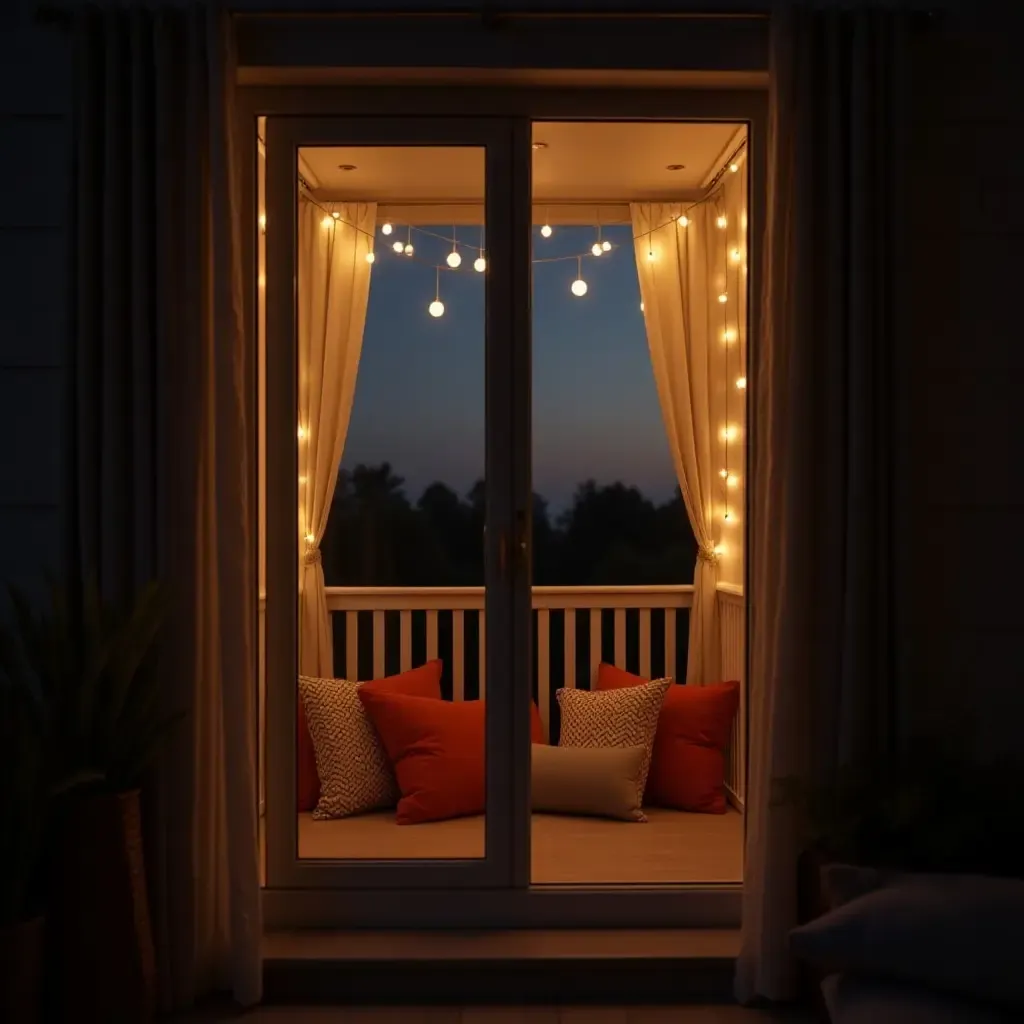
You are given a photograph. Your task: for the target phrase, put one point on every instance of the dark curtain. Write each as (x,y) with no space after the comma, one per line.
(161,414)
(823,680)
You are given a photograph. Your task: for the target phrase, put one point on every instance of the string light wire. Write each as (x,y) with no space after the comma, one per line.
(408,251)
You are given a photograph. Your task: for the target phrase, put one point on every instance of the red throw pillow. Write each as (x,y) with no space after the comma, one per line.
(424,681)
(688,763)
(437,751)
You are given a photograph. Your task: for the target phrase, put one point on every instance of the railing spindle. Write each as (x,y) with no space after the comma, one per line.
(378,644)
(544,669)
(405,640)
(482,629)
(352,645)
(569,672)
(458,655)
(431,634)
(595,643)
(620,637)
(670,643)
(645,642)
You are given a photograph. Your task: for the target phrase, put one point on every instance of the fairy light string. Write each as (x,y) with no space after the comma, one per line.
(601,247)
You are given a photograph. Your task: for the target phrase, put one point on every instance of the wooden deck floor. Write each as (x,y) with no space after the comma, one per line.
(672,847)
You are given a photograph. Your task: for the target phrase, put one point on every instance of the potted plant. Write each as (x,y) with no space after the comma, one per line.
(94,665)
(23,809)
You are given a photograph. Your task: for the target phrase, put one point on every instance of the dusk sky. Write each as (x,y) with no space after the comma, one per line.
(419,400)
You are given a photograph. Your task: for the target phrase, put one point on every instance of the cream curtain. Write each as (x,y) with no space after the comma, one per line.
(683,266)
(822,686)
(334,286)
(162,438)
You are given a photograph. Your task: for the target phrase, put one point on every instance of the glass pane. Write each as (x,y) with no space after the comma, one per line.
(634,355)
(391,296)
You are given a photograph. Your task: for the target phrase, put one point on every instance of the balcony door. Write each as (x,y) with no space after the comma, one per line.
(394,246)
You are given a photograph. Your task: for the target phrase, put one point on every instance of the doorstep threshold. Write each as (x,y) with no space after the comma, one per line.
(518,944)
(620,967)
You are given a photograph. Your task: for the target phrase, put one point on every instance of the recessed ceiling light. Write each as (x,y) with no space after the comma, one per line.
(540,145)
(346,167)
(676,167)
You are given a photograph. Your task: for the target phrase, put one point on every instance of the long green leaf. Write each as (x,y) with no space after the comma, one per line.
(137,759)
(129,648)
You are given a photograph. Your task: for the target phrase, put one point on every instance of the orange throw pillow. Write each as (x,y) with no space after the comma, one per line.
(437,751)
(688,763)
(424,681)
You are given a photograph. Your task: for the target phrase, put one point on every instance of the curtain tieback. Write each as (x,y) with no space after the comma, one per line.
(311,557)
(707,553)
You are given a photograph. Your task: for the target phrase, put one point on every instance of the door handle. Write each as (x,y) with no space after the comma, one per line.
(523,540)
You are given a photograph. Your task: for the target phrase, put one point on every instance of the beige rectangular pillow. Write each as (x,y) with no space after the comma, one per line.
(601,782)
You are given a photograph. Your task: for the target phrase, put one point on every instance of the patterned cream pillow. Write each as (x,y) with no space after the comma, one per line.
(355,774)
(613,718)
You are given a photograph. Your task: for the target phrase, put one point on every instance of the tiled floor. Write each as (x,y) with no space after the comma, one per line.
(508,1015)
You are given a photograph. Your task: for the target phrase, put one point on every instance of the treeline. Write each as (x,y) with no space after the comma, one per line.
(611,534)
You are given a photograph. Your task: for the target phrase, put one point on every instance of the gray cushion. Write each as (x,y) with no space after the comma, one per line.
(854,1000)
(962,934)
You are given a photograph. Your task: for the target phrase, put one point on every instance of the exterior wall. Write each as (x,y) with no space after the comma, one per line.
(35,137)
(963,536)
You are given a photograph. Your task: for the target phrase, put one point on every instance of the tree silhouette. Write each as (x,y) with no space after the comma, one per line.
(610,534)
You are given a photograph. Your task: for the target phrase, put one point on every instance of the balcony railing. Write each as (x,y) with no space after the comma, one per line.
(382,630)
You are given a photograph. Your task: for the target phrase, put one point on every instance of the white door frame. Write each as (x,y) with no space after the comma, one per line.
(493,893)
(506,540)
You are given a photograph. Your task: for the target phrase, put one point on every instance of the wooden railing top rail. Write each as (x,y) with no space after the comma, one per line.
(473,598)
(470,598)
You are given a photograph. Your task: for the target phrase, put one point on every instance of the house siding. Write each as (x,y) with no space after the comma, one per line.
(963,532)
(35,137)
(961,547)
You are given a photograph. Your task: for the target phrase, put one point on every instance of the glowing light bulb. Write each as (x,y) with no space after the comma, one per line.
(723,473)
(728,335)
(301,433)
(734,168)
(310,538)
(641,307)
(263,222)
(479,264)
(302,481)
(454,260)
(723,298)
(398,247)
(731,481)
(606,245)
(741,383)
(726,517)
(436,308)
(336,216)
(728,434)
(579,287)
(370,257)
(683,221)
(721,550)
(386,228)
(326,222)
(650,254)
(735,255)
(722,221)
(408,250)
(596,249)
(545,231)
